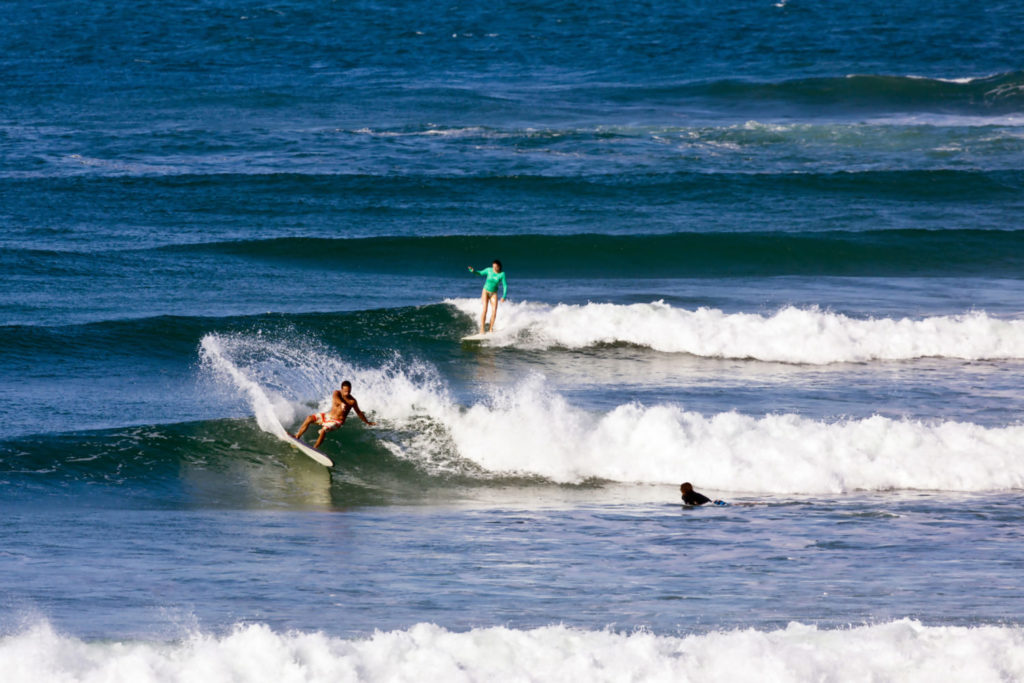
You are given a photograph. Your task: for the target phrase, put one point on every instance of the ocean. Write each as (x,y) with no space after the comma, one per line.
(771,247)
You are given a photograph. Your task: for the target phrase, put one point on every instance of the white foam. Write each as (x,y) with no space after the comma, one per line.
(903,650)
(528,429)
(791,335)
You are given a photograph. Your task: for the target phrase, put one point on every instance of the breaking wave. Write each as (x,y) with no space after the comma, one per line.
(902,650)
(791,335)
(530,430)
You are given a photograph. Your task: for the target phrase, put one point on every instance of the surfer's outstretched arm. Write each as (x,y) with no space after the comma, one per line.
(355,407)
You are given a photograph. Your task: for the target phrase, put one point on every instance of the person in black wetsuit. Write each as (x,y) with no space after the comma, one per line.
(691,497)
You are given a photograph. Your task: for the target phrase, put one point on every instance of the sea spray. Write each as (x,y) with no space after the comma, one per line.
(268,409)
(790,335)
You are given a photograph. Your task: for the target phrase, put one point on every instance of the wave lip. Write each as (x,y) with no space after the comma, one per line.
(902,650)
(791,335)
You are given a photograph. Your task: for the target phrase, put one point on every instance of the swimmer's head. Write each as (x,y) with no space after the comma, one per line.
(346,385)
(496,265)
(685,487)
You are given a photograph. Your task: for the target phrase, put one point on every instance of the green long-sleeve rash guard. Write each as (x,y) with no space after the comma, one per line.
(491,284)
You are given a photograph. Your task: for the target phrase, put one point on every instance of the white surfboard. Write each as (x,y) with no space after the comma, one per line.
(475,338)
(310,451)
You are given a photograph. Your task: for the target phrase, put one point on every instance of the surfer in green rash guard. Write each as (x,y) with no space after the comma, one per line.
(489,297)
(341,403)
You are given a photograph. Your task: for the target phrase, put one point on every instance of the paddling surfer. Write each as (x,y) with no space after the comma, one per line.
(341,403)
(489,296)
(691,497)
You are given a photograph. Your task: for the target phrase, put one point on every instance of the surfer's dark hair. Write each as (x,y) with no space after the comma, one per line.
(346,383)
(497,262)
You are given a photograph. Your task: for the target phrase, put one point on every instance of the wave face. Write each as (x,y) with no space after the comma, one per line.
(302,274)
(902,650)
(874,253)
(791,335)
(877,253)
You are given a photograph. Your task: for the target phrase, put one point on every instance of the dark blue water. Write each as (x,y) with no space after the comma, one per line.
(773,248)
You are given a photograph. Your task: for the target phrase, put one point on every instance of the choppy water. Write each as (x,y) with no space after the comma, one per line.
(772,248)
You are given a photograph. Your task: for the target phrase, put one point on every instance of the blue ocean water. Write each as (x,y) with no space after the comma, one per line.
(772,248)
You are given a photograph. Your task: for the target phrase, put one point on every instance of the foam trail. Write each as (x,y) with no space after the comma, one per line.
(792,335)
(903,650)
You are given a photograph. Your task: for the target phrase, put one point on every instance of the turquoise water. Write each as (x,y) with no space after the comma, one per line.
(770,248)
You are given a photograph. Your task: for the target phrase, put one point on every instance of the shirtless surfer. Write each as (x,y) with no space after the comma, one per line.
(342,402)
